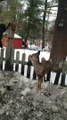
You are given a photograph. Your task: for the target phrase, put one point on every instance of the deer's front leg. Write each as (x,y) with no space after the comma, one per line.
(40,80)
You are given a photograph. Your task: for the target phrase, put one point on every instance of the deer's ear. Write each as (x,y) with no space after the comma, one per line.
(38,53)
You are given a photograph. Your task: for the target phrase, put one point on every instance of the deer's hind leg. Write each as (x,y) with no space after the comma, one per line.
(40,80)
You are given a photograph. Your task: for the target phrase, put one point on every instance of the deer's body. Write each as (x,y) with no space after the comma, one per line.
(40,68)
(43,67)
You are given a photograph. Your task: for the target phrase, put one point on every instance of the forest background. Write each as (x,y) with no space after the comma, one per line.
(33,19)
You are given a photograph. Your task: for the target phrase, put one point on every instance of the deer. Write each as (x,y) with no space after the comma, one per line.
(41,68)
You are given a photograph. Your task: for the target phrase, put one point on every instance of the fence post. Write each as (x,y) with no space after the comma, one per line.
(29,69)
(17,60)
(23,62)
(64,72)
(57,78)
(8,65)
(34,75)
(48,76)
(1,58)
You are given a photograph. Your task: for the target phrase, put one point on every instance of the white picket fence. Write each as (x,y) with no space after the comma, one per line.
(23,58)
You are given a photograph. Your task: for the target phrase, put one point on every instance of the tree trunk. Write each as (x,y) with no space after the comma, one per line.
(43,29)
(59,48)
(26,38)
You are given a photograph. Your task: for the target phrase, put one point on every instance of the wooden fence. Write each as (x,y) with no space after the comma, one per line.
(17,60)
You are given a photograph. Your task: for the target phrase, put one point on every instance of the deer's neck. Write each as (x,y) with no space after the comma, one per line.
(35,63)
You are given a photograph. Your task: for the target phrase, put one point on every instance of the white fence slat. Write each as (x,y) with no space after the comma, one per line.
(53,75)
(3,65)
(66,80)
(14,66)
(19,70)
(25,70)
(4,55)
(31,72)
(60,79)
(0,52)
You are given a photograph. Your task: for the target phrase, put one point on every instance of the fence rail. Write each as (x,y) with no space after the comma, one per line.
(17,61)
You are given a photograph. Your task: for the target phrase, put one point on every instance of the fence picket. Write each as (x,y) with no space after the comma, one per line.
(34,76)
(23,62)
(23,58)
(1,58)
(17,61)
(22,69)
(32,73)
(28,71)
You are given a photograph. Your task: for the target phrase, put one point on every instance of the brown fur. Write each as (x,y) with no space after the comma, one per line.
(40,68)
(43,67)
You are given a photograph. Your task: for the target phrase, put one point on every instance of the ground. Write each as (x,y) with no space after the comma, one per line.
(20,99)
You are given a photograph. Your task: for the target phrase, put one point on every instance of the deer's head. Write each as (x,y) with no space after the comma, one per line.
(34,57)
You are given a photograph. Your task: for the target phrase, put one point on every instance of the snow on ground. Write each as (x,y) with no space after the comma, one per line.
(20,99)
